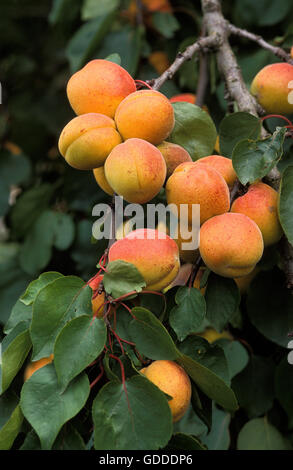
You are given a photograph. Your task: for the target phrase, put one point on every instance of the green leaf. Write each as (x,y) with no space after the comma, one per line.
(63,11)
(92,8)
(194,130)
(15,348)
(262,12)
(236,355)
(259,434)
(14,169)
(210,384)
(222,299)
(181,441)
(190,423)
(86,39)
(28,297)
(10,420)
(45,406)
(20,313)
(236,127)
(285,208)
(188,315)
(254,386)
(150,336)
(114,58)
(283,388)
(219,436)
(63,230)
(254,159)
(165,23)
(270,306)
(56,304)
(77,345)
(122,277)
(131,416)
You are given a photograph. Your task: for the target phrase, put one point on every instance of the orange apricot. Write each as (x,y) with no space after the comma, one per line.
(99,174)
(174,155)
(99,87)
(86,141)
(145,114)
(97,299)
(223,165)
(159,60)
(35,365)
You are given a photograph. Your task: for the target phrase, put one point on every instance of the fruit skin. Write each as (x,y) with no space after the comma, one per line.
(291,52)
(260,203)
(157,259)
(193,183)
(145,114)
(86,141)
(188,97)
(99,87)
(136,170)
(34,366)
(231,244)
(171,379)
(223,165)
(197,280)
(97,300)
(270,87)
(211,335)
(174,155)
(99,174)
(159,60)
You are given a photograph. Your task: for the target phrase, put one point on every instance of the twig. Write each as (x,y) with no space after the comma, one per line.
(243,33)
(203,76)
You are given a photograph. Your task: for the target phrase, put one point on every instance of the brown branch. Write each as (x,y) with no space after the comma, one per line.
(203,44)
(243,33)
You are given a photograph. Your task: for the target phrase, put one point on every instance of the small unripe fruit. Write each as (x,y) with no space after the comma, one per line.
(99,87)
(34,366)
(87,140)
(271,87)
(145,114)
(171,379)
(173,155)
(260,203)
(231,244)
(223,165)
(154,254)
(136,170)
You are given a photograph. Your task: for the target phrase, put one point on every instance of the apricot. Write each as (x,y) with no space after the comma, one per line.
(188,97)
(260,203)
(198,278)
(190,254)
(174,155)
(211,335)
(136,170)
(271,88)
(217,145)
(231,244)
(154,254)
(86,141)
(291,52)
(244,282)
(97,299)
(159,60)
(223,165)
(99,87)
(193,183)
(33,366)
(99,174)
(145,114)
(171,379)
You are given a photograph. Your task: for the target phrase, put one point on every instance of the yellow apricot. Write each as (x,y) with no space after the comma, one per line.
(223,165)
(35,365)
(99,87)
(231,244)
(145,114)
(271,87)
(87,140)
(211,335)
(193,183)
(99,174)
(260,203)
(171,379)
(136,170)
(154,254)
(174,155)
(97,299)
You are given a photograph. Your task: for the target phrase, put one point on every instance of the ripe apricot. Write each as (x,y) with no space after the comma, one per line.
(271,88)
(86,141)
(99,174)
(260,203)
(145,114)
(154,254)
(171,379)
(97,299)
(174,155)
(136,170)
(223,165)
(188,97)
(211,335)
(193,183)
(35,365)
(231,244)
(99,87)
(159,60)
